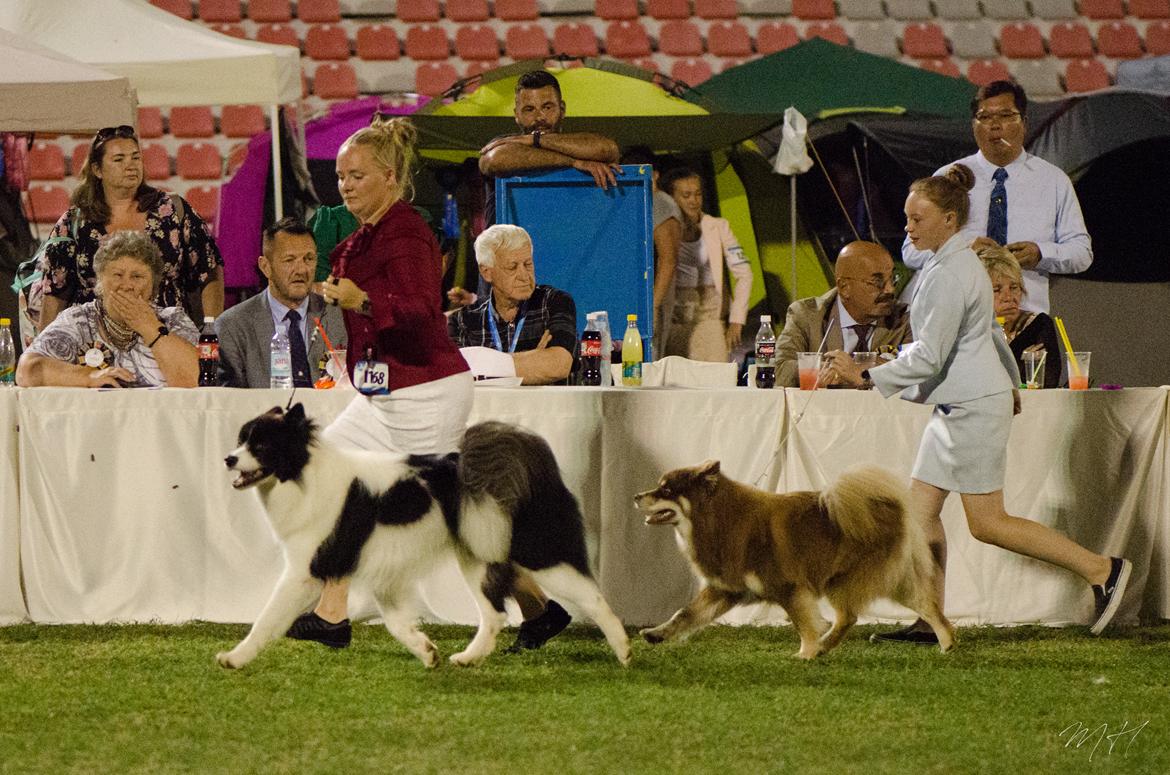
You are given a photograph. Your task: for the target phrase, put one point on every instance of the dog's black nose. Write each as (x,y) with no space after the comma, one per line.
(230,460)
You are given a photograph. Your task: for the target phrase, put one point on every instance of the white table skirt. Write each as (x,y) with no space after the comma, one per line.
(117,507)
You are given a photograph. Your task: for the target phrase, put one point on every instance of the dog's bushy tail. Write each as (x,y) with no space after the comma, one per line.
(504,462)
(868,503)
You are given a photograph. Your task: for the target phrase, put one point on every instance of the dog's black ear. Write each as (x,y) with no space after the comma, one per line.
(709,473)
(297,412)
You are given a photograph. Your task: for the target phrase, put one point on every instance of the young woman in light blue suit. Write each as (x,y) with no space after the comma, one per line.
(961,363)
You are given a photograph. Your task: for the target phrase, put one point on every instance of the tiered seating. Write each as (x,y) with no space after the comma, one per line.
(46,202)
(46,161)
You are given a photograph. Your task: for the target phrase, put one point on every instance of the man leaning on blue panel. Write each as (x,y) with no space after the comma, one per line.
(1019,201)
(541,144)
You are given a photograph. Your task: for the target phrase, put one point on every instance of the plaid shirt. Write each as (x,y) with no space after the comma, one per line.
(547,309)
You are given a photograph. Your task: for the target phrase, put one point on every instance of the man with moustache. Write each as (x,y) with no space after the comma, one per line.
(541,144)
(860,314)
(245,331)
(1019,201)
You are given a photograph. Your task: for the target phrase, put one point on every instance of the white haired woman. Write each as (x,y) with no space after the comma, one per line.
(1025,331)
(386,278)
(121,338)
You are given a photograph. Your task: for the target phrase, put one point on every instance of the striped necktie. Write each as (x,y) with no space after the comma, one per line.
(997,210)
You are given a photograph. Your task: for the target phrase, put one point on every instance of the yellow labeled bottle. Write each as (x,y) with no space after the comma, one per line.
(632,354)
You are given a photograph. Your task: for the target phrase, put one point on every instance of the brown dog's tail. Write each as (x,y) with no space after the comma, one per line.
(868,503)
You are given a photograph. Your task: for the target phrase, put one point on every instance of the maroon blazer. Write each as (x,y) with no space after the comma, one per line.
(396,262)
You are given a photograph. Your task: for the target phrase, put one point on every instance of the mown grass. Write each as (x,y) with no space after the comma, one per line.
(131,699)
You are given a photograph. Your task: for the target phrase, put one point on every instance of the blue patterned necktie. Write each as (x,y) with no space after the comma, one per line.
(296,349)
(997,210)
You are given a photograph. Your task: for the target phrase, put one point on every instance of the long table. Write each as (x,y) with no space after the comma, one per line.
(117,507)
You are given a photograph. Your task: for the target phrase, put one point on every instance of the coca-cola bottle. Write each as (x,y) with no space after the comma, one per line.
(208,354)
(591,353)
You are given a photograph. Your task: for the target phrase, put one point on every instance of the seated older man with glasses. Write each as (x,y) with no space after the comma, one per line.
(1019,201)
(861,314)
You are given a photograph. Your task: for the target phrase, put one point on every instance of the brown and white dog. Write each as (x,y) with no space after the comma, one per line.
(852,543)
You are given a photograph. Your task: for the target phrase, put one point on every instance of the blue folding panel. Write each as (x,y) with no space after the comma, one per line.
(598,245)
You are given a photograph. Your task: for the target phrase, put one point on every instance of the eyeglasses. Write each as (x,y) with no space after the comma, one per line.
(880,284)
(105,134)
(1006,117)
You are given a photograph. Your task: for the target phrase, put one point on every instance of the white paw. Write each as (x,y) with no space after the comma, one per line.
(230,660)
(623,656)
(467,659)
(430,656)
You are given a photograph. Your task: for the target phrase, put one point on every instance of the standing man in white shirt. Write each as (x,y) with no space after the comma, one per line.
(1019,200)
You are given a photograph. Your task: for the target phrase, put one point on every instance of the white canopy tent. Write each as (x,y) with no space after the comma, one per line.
(167,60)
(42,90)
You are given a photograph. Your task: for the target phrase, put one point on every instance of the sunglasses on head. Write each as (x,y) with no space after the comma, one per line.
(107,133)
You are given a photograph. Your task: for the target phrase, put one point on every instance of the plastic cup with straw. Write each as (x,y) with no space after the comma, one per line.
(332,351)
(1077,379)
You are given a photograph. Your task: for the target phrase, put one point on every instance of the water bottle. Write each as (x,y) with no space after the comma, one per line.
(766,354)
(280,365)
(591,352)
(632,354)
(208,354)
(7,355)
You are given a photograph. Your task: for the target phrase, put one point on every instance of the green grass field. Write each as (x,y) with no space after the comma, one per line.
(110,699)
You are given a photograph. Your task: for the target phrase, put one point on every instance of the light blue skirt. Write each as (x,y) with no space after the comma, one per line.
(964,447)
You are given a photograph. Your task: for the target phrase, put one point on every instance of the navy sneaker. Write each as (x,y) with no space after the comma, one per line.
(1108,597)
(534,633)
(312,627)
(906,635)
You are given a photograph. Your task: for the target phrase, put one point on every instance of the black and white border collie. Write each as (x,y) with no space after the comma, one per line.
(386,520)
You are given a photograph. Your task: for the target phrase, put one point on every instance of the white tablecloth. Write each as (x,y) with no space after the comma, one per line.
(124,511)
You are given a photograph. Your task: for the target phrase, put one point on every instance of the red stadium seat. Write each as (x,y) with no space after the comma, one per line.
(924,41)
(269,11)
(1158,38)
(716,9)
(983,71)
(611,10)
(1085,75)
(576,40)
(434,78)
(1021,41)
(77,158)
(156,162)
(150,122)
(46,161)
(418,10)
(204,200)
(729,39)
(627,40)
(280,34)
(692,72)
(241,120)
(192,122)
(180,8)
(46,203)
(526,41)
(319,11)
(222,11)
(1150,9)
(680,39)
(427,42)
(377,42)
(1119,40)
(830,31)
(231,30)
(477,42)
(475,68)
(335,81)
(942,66)
(1070,40)
(517,10)
(1102,9)
(814,9)
(198,161)
(775,36)
(327,41)
(668,9)
(466,10)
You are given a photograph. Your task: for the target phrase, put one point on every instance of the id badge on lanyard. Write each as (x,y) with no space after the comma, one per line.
(371,377)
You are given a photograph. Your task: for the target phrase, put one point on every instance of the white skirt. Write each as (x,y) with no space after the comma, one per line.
(964,447)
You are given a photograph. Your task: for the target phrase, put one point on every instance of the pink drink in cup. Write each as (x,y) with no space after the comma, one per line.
(809,367)
(1078,370)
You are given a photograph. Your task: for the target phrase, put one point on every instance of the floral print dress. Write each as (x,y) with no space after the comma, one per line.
(189,253)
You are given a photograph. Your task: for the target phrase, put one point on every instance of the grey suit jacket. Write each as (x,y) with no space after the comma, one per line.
(809,319)
(245,336)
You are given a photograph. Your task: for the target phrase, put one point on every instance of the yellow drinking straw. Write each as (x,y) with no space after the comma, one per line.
(1072,359)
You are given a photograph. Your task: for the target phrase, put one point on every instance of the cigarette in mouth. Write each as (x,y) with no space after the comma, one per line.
(1002,140)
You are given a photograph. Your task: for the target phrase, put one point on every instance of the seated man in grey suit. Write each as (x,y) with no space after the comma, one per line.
(246,330)
(860,314)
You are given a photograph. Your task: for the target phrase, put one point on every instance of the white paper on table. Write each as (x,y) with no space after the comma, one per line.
(488,362)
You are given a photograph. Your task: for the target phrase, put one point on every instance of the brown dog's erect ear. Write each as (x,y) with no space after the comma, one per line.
(709,474)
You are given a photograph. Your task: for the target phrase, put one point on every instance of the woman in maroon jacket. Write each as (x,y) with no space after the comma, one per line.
(386,279)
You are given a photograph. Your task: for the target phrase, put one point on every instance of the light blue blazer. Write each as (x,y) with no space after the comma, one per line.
(959,352)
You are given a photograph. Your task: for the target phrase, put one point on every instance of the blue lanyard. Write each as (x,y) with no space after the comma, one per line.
(491,316)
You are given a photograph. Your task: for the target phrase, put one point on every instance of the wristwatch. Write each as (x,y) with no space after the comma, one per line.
(162,331)
(536,139)
(866,382)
